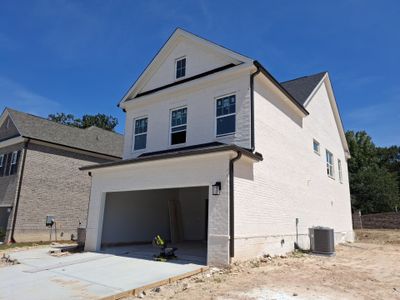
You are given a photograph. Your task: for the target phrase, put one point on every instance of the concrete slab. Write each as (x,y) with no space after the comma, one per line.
(84,275)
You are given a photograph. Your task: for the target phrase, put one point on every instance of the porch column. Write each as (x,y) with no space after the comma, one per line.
(218,227)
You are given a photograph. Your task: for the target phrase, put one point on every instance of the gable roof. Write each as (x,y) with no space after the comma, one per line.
(91,139)
(179,33)
(301,88)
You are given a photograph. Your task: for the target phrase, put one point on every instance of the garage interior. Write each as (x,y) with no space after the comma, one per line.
(179,215)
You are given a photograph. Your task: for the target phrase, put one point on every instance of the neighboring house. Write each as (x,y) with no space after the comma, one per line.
(218,151)
(40,176)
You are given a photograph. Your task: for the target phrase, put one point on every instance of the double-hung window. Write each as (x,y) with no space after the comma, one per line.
(140,134)
(339,163)
(178,126)
(14,162)
(180,66)
(330,169)
(316,146)
(226,115)
(2,164)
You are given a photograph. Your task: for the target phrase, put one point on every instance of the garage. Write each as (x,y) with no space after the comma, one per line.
(179,215)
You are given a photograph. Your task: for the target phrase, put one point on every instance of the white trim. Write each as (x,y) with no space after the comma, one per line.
(134,134)
(1,160)
(218,117)
(12,141)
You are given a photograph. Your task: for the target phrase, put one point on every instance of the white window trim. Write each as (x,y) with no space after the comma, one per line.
(319,147)
(332,176)
(340,170)
(218,117)
(134,135)
(1,160)
(170,126)
(176,66)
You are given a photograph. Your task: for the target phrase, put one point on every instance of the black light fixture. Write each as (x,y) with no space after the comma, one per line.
(216,188)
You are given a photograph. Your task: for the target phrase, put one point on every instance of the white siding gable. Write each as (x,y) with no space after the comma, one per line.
(199,59)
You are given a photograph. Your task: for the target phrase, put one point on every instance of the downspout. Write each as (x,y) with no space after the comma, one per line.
(232,203)
(12,240)
(252,76)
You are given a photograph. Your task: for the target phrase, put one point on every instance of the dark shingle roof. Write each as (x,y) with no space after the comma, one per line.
(92,139)
(301,88)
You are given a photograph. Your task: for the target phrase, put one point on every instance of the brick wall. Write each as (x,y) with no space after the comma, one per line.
(53,185)
(389,220)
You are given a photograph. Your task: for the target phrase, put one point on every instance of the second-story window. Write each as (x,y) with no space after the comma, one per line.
(2,163)
(140,134)
(339,163)
(178,126)
(330,170)
(316,146)
(180,65)
(226,115)
(14,162)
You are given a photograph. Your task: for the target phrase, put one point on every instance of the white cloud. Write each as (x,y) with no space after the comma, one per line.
(15,95)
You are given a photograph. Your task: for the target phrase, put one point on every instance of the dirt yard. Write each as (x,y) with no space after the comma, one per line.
(367,269)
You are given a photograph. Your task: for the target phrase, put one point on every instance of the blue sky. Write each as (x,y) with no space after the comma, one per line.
(81,56)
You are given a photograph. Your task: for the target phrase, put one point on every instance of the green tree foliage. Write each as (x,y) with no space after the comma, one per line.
(374,174)
(100,120)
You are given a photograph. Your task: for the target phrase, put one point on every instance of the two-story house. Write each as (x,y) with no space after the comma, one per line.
(40,179)
(219,154)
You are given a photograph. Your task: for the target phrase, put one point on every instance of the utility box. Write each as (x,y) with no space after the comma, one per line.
(322,240)
(81,237)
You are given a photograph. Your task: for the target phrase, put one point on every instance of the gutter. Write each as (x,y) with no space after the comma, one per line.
(252,76)
(232,204)
(19,191)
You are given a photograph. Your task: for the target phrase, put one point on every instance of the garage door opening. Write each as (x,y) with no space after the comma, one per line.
(179,215)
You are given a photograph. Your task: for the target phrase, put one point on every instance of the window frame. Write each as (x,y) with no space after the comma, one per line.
(223,116)
(176,67)
(330,165)
(13,162)
(315,142)
(136,134)
(171,127)
(2,160)
(340,170)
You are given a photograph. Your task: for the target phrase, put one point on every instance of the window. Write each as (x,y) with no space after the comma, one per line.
(180,68)
(339,163)
(2,163)
(329,164)
(178,126)
(140,134)
(316,146)
(226,115)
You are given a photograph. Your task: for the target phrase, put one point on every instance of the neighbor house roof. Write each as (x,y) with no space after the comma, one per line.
(91,139)
(302,87)
(179,152)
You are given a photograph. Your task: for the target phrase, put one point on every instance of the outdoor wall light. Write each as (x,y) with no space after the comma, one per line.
(216,188)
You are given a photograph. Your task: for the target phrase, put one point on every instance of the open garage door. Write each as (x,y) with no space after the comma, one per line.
(180,215)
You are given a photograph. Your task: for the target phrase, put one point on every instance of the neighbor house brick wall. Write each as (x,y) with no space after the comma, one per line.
(53,185)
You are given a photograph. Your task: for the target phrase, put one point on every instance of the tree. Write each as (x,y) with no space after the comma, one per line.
(100,120)
(373,187)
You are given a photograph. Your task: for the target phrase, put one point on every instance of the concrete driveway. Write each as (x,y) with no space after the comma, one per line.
(84,275)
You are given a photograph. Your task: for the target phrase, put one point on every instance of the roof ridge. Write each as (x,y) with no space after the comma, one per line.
(306,76)
(54,122)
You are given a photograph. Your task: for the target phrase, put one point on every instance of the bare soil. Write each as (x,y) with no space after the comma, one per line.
(366,269)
